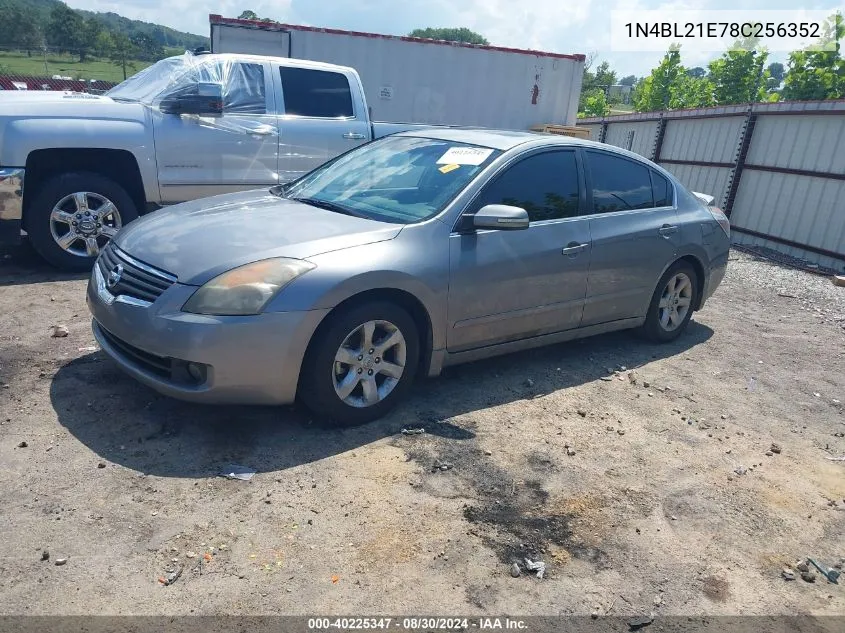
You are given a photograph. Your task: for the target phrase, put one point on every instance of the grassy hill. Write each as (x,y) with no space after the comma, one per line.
(18,63)
(162,34)
(28,25)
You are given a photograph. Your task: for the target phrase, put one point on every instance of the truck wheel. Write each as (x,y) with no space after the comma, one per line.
(72,216)
(361,365)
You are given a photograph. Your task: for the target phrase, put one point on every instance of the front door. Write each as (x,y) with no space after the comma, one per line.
(322,117)
(511,284)
(635,235)
(203,156)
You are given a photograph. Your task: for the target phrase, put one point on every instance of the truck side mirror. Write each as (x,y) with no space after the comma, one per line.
(201,99)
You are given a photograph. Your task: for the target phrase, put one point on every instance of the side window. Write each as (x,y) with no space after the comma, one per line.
(662,190)
(619,184)
(244,91)
(545,185)
(243,85)
(316,93)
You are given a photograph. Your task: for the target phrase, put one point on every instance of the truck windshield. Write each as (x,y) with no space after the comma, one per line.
(397,179)
(147,84)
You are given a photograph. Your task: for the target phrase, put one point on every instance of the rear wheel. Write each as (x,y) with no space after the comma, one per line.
(73,216)
(362,365)
(672,304)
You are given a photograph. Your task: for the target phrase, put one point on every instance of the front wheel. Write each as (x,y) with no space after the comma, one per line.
(362,364)
(73,216)
(672,304)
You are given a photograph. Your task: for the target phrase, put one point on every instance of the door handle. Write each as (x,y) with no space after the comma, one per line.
(263,130)
(353,136)
(667,229)
(573,248)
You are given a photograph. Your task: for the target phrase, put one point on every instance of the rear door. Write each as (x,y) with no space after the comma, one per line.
(508,285)
(634,230)
(322,116)
(201,156)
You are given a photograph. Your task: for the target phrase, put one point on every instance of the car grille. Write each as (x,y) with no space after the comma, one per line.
(158,365)
(137,279)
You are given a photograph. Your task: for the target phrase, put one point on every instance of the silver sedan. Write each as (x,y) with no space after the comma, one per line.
(408,254)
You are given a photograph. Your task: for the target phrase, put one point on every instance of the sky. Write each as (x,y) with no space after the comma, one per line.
(580,26)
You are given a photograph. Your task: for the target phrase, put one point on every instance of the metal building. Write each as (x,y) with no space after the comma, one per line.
(413,80)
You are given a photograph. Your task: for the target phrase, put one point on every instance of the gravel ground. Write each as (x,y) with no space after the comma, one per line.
(653,488)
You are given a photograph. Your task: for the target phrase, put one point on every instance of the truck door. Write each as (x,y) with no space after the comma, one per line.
(202,156)
(322,115)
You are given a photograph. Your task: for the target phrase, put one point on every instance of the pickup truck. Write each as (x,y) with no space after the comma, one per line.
(75,167)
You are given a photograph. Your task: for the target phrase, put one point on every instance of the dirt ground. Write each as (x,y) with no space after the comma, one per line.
(623,484)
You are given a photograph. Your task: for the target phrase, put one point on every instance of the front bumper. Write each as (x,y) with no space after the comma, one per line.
(245,360)
(11,205)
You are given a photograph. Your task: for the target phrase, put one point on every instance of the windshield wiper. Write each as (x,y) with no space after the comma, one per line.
(329,206)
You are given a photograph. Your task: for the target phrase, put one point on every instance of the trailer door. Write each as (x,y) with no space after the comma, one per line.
(321,116)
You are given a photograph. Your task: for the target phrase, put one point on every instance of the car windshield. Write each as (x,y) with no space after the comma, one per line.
(147,84)
(398,179)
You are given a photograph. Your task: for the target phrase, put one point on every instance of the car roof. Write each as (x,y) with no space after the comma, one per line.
(496,139)
(505,140)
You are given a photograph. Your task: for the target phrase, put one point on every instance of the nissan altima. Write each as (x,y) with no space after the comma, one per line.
(396,259)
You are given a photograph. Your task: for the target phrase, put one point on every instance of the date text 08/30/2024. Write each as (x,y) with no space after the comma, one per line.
(416,624)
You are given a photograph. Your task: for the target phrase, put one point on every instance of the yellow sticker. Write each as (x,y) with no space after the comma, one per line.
(447,168)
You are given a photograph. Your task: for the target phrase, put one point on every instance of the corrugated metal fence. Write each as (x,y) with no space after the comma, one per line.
(777,169)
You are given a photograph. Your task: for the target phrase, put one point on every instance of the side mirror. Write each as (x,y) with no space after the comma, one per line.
(202,99)
(501,217)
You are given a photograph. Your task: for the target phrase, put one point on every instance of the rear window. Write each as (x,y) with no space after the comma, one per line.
(316,93)
(619,184)
(662,190)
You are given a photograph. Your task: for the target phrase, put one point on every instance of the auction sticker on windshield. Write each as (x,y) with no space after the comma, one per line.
(464,156)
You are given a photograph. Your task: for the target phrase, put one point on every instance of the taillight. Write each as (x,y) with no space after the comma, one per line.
(722,219)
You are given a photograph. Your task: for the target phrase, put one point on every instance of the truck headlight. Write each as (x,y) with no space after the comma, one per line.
(247,289)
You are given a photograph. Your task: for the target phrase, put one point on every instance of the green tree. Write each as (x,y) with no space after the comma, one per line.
(594,104)
(103,44)
(123,51)
(818,74)
(698,72)
(628,80)
(594,82)
(65,30)
(19,28)
(670,87)
(450,34)
(90,34)
(248,15)
(148,49)
(740,75)
(776,73)
(653,92)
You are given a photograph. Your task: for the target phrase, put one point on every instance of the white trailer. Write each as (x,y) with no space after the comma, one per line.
(408,79)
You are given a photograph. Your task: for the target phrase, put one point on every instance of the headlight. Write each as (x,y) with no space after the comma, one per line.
(246,289)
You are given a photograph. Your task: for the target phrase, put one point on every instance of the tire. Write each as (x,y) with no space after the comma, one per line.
(659,325)
(321,371)
(57,202)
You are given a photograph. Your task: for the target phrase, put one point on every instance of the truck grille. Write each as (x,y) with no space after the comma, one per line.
(137,280)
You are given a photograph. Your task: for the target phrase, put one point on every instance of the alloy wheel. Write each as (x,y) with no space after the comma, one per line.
(675,302)
(369,363)
(82,223)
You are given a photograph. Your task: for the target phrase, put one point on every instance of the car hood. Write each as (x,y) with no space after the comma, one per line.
(198,240)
